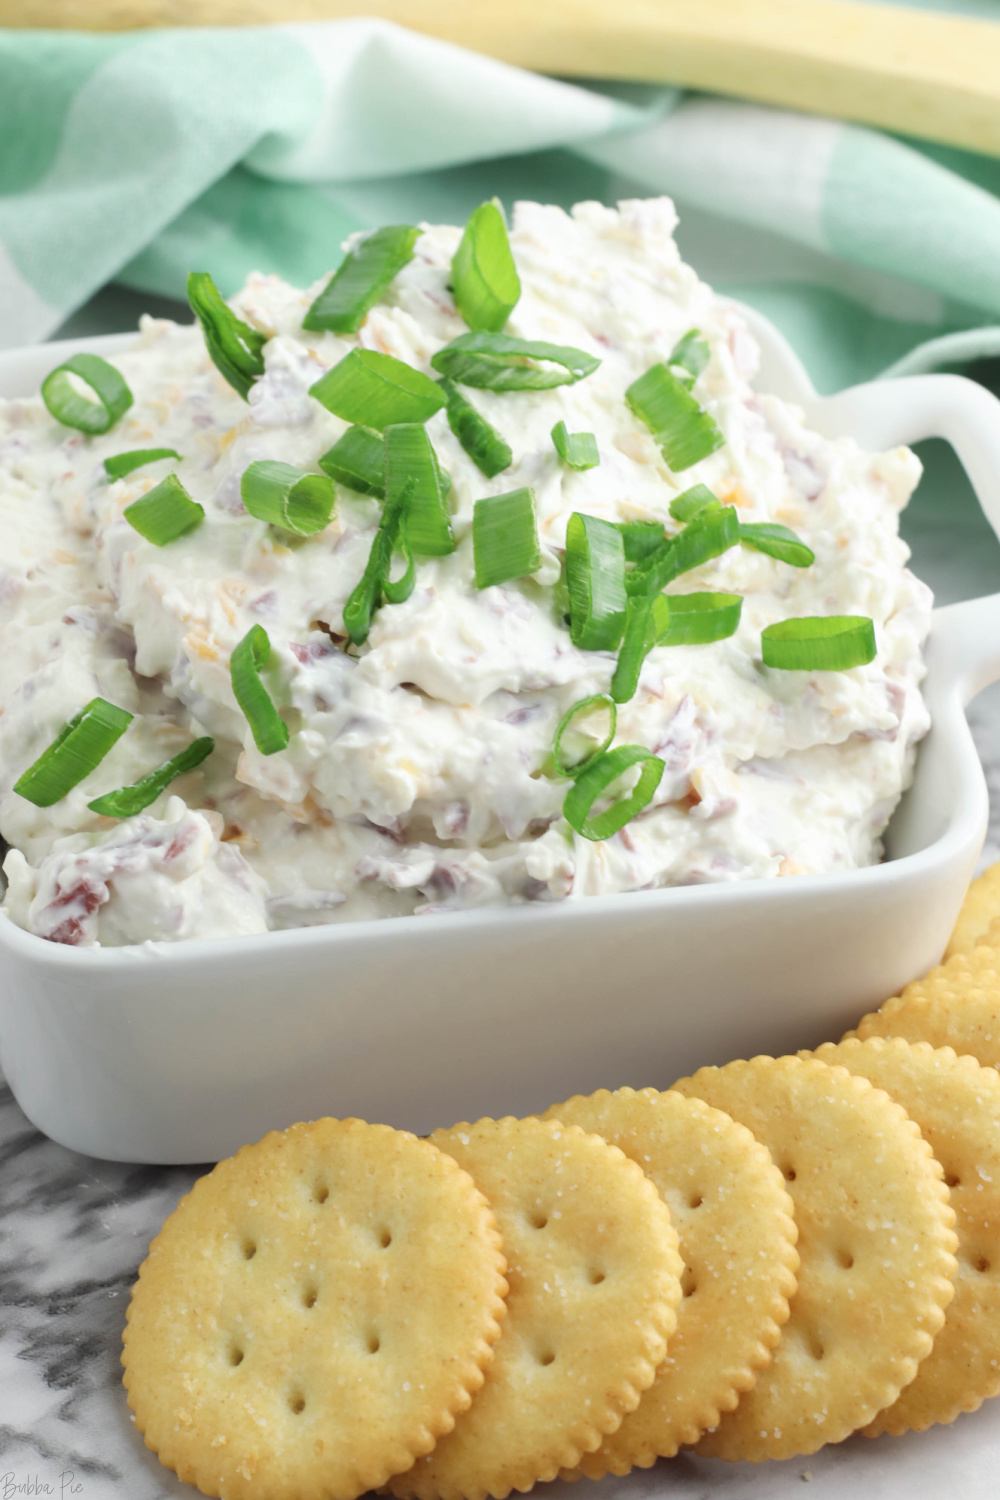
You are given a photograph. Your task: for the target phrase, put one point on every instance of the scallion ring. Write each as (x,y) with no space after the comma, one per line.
(693,502)
(361,278)
(819,643)
(641,539)
(595,579)
(77,749)
(164,513)
(592,783)
(694,619)
(567,725)
(236,349)
(483,273)
(488,449)
(634,649)
(375,390)
(410,460)
(689,357)
(498,362)
(777,541)
(578,450)
(505,537)
(129,800)
(357,461)
(374,583)
(684,432)
(708,536)
(249,658)
(73,409)
(120,464)
(287,497)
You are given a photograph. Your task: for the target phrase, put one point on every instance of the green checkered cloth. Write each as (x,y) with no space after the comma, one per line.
(137,157)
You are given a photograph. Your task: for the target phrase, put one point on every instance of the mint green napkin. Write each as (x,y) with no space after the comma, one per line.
(140,156)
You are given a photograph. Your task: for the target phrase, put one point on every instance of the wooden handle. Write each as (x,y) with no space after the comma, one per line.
(925,74)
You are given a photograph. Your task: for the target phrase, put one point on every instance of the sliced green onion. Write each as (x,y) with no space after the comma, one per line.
(827,643)
(596,779)
(582,710)
(693,502)
(287,497)
(635,648)
(595,579)
(360,279)
(489,451)
(684,432)
(694,619)
(497,362)
(249,658)
(376,390)
(374,583)
(483,273)
(121,464)
(578,450)
(357,461)
(641,538)
(505,537)
(777,541)
(700,540)
(235,349)
(689,356)
(410,459)
(71,408)
(78,747)
(164,513)
(129,800)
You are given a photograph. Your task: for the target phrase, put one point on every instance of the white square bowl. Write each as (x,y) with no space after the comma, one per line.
(179,1053)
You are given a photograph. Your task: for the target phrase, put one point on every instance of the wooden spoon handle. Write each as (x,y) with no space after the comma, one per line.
(919,72)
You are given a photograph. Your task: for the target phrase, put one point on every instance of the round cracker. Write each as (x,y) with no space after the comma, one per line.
(980,907)
(728,1203)
(594,1287)
(875,1244)
(956,1105)
(956,1005)
(314,1314)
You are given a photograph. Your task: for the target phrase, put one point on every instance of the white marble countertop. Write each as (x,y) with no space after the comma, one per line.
(73,1231)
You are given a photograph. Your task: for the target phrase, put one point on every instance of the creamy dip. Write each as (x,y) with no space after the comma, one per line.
(417,775)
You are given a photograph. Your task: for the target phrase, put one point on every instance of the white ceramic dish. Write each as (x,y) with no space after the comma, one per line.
(165,1053)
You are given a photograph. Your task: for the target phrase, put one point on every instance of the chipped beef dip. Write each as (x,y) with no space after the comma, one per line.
(417,776)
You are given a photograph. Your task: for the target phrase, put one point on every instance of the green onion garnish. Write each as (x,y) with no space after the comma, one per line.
(71,408)
(596,779)
(249,658)
(685,434)
(777,541)
(376,390)
(693,502)
(689,356)
(578,450)
(497,362)
(567,725)
(164,513)
(505,537)
(705,537)
(287,497)
(121,464)
(641,538)
(489,451)
(78,747)
(357,461)
(410,459)
(636,644)
(235,349)
(129,800)
(360,279)
(374,583)
(595,579)
(828,643)
(694,619)
(483,272)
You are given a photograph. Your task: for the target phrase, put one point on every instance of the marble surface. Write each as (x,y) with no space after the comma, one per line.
(73,1231)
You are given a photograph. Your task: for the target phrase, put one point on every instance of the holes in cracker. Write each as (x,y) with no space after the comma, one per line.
(320,1192)
(595,1277)
(309,1296)
(815,1347)
(384,1237)
(296,1403)
(981,1264)
(845,1259)
(249,1249)
(235,1355)
(695,1200)
(547,1357)
(951,1181)
(374,1343)
(537,1219)
(789,1174)
(689,1284)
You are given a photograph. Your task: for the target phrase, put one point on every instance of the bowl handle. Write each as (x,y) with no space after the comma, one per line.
(963,653)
